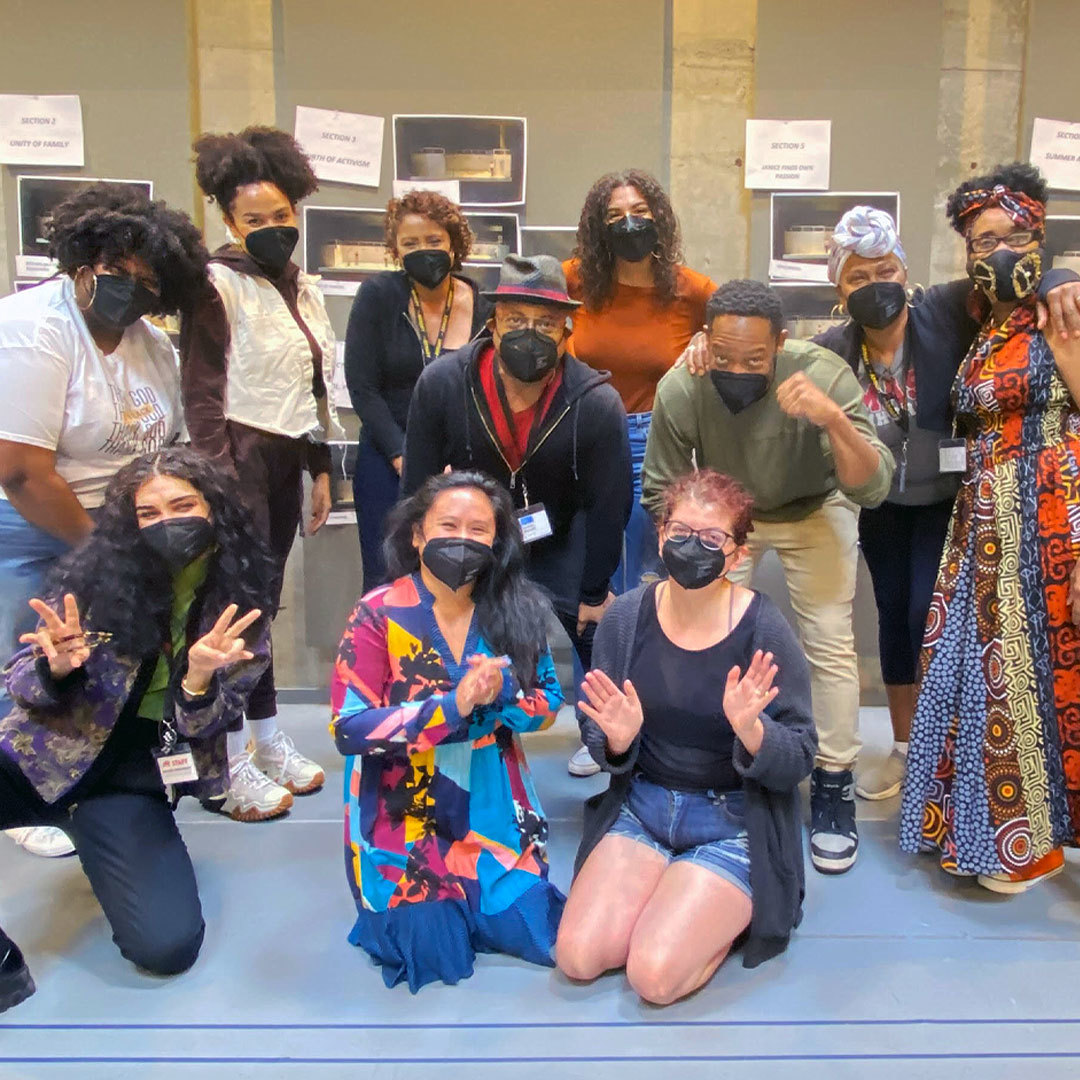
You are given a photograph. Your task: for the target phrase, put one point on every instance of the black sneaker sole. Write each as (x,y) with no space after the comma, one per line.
(16,988)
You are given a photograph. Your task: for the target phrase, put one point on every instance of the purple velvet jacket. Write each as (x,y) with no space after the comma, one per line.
(57,728)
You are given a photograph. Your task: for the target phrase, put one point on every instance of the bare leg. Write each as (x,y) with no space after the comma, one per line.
(901,709)
(604,904)
(684,933)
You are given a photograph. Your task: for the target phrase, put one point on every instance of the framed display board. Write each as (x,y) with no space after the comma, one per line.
(557,240)
(1063,241)
(486,155)
(344,245)
(808,309)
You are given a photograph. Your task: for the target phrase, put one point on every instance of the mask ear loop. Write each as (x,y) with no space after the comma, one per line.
(93,292)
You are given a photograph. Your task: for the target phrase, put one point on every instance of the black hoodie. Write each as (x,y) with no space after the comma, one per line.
(579,463)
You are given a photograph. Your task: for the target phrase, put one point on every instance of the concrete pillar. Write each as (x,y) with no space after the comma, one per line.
(712,91)
(979,106)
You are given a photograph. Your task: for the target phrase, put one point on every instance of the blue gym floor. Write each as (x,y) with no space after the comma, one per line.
(897,971)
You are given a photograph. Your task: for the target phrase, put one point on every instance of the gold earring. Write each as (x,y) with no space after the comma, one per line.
(837,311)
(93,292)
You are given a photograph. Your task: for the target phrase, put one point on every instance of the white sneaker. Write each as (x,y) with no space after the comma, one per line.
(285,765)
(582,764)
(44,840)
(885,781)
(252,796)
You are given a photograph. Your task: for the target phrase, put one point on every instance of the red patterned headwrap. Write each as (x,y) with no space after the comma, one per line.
(1023,209)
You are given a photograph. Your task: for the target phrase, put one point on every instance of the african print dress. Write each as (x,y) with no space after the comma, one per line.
(444,835)
(994,762)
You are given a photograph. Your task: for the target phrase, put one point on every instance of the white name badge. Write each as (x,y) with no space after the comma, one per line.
(534,523)
(177,766)
(952,455)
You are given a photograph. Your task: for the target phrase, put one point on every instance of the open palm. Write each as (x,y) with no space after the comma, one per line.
(616,712)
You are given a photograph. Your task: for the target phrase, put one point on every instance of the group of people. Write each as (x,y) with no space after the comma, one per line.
(612,443)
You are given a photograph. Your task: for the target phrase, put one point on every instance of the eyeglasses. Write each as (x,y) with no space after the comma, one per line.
(550,325)
(711,539)
(983,245)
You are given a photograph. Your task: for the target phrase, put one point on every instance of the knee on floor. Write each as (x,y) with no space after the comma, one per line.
(165,950)
(580,959)
(657,976)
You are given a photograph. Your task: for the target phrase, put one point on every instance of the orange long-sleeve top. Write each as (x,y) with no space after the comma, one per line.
(633,336)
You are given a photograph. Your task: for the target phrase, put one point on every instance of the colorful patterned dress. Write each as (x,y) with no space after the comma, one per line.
(994,763)
(444,834)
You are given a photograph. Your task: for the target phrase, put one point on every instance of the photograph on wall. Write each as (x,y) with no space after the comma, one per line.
(38,196)
(494,237)
(342,468)
(557,240)
(484,154)
(800,225)
(344,245)
(809,309)
(1063,242)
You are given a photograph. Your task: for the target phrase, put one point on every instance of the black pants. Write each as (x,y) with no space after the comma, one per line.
(582,642)
(132,853)
(902,546)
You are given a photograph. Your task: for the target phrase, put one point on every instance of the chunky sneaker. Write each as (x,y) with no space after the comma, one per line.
(252,796)
(582,764)
(834,840)
(44,840)
(885,781)
(280,761)
(1050,865)
(15,982)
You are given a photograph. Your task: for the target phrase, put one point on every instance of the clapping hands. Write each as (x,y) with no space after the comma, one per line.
(616,712)
(482,682)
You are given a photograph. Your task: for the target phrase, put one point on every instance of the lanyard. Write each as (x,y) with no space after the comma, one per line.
(432,351)
(898,411)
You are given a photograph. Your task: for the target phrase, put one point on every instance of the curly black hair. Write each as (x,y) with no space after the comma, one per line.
(108,222)
(1014,175)
(224,163)
(125,589)
(593,250)
(747,297)
(512,612)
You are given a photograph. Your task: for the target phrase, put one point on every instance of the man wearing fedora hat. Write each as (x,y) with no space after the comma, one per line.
(515,404)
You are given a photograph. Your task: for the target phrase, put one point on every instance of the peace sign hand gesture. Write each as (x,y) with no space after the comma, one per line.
(221,646)
(746,698)
(60,638)
(616,712)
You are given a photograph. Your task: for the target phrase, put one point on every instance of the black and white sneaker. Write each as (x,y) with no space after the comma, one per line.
(15,982)
(834,839)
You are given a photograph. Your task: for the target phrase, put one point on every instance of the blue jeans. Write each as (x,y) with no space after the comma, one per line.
(701,827)
(27,554)
(641,557)
(375,490)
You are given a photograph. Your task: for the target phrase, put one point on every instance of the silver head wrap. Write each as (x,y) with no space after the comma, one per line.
(864,231)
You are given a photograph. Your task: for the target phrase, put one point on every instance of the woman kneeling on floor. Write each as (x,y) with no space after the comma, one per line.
(699,708)
(437,674)
(142,660)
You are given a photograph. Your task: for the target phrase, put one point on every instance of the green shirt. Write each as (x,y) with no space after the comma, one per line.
(185,585)
(785,463)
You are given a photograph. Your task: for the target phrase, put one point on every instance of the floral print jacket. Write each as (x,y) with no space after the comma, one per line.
(57,728)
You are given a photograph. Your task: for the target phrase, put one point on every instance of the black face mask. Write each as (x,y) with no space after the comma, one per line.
(633,238)
(427,267)
(690,564)
(179,541)
(120,301)
(454,561)
(738,389)
(272,247)
(528,355)
(877,304)
(1007,275)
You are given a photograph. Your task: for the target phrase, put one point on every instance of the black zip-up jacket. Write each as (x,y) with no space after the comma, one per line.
(578,463)
(383,356)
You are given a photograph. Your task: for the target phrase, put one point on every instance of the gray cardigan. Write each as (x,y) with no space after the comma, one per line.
(770,778)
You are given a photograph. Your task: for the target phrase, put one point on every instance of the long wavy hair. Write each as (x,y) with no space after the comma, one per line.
(512,612)
(123,588)
(593,250)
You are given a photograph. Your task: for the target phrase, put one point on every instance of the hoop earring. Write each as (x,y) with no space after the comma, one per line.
(93,292)
(915,295)
(837,310)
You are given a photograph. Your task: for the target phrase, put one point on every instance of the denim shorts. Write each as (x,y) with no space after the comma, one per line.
(702,827)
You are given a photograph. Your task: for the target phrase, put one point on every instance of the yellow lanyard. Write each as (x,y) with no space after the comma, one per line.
(432,351)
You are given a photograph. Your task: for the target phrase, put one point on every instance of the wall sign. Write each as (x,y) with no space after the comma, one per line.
(343,147)
(788,154)
(1055,148)
(41,129)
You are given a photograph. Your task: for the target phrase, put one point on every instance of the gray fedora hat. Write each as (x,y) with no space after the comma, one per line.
(536,280)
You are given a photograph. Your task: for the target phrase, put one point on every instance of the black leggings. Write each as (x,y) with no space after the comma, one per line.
(902,546)
(131,852)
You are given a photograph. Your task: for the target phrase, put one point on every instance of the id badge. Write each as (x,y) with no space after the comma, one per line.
(177,766)
(952,455)
(534,523)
